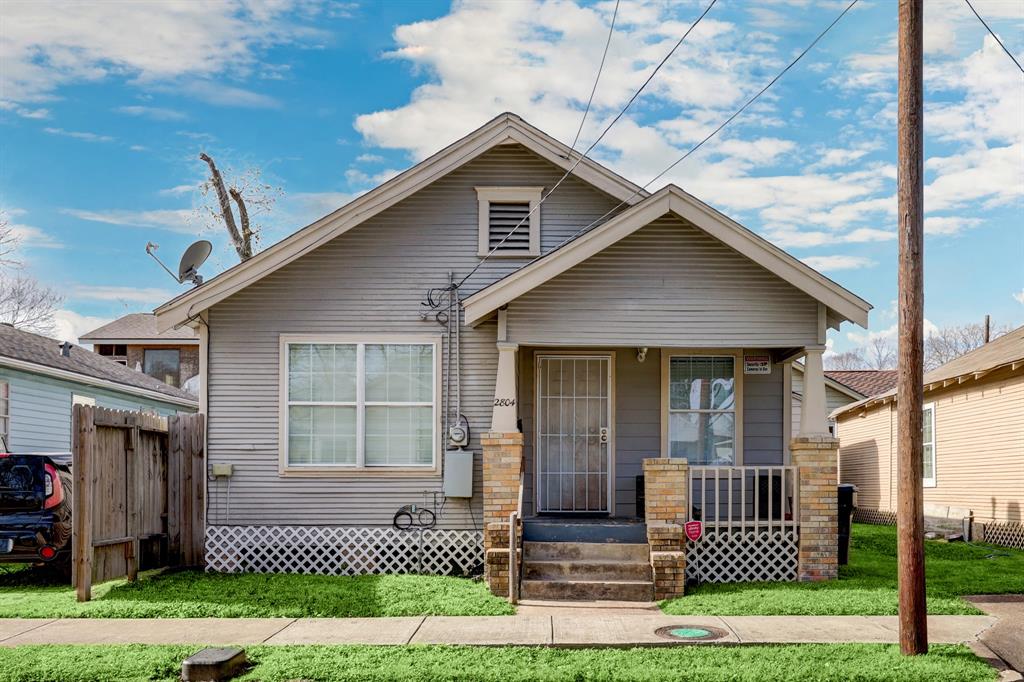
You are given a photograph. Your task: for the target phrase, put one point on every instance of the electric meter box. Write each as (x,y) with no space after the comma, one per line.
(458,473)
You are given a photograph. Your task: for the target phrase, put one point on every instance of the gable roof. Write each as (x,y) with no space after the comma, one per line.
(867,382)
(842,304)
(507,128)
(30,352)
(1006,351)
(138,327)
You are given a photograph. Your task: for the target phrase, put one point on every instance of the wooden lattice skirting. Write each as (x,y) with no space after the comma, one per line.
(342,550)
(875,516)
(1005,534)
(735,557)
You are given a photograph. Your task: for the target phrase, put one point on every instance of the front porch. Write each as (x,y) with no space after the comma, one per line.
(649,439)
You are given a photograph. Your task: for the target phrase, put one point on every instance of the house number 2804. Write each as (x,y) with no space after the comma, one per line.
(504,402)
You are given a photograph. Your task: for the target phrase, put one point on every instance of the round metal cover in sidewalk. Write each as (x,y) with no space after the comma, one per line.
(691,633)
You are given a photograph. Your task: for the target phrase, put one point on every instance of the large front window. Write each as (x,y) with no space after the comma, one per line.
(163,364)
(702,409)
(360,404)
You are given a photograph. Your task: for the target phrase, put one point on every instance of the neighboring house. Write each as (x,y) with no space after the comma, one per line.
(172,356)
(973,443)
(41,378)
(614,326)
(842,387)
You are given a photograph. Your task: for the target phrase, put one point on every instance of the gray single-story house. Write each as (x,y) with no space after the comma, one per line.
(42,378)
(467,333)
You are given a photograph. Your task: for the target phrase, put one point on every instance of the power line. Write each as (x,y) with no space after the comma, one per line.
(600,68)
(993,34)
(590,148)
(715,131)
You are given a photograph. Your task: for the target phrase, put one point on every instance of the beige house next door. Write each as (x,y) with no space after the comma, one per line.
(574,417)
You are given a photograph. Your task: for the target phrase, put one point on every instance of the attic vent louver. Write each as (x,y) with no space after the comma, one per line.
(508,226)
(509,221)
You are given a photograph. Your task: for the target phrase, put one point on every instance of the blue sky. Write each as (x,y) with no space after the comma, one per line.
(104,108)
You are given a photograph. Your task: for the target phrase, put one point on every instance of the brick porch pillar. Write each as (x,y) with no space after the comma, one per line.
(666,511)
(816,457)
(502,462)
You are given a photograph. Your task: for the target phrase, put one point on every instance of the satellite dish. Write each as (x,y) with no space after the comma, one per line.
(191,261)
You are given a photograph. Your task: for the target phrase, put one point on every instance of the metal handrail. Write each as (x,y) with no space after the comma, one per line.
(514,559)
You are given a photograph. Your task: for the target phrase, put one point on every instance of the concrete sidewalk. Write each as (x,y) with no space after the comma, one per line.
(598,628)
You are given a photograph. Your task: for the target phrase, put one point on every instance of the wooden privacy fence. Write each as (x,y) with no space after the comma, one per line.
(138,493)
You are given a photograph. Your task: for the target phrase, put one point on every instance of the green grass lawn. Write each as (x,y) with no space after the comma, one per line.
(867,586)
(861,662)
(193,594)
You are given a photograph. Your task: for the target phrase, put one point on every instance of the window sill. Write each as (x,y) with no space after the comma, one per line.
(507,254)
(353,472)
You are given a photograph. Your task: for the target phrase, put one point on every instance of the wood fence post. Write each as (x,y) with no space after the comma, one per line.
(132,491)
(84,432)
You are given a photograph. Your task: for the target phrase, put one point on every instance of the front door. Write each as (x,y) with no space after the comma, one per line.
(573,433)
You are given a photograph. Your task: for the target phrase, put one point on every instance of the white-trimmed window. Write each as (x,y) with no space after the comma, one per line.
(5,415)
(702,409)
(359,404)
(928,449)
(509,221)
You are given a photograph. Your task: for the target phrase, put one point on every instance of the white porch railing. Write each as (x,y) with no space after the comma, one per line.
(751,523)
(744,497)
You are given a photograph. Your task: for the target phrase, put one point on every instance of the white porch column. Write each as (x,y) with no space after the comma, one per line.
(504,418)
(813,417)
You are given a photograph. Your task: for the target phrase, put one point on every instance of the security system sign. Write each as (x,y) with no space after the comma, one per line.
(757,364)
(694,529)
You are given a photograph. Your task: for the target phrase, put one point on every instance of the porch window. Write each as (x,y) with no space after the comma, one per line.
(702,409)
(928,439)
(360,405)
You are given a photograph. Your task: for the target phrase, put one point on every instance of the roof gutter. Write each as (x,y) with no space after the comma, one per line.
(95,381)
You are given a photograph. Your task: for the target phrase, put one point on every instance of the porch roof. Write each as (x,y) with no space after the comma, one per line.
(840,303)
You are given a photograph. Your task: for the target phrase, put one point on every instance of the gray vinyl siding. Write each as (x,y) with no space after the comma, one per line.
(370,280)
(41,409)
(763,401)
(668,284)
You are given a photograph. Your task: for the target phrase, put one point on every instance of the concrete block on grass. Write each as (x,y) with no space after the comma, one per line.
(213,665)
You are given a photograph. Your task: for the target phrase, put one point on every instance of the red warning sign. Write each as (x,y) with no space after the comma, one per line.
(694,529)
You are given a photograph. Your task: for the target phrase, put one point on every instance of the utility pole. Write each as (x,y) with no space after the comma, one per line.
(910,383)
(988,328)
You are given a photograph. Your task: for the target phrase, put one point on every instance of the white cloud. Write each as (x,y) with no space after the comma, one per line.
(138,148)
(70,325)
(155,113)
(949,225)
(147,295)
(29,237)
(24,112)
(47,45)
(227,96)
(838,262)
(1019,297)
(79,135)
(175,220)
(178,190)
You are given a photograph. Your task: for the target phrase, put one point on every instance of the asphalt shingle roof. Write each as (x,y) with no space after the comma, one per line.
(137,326)
(40,350)
(867,382)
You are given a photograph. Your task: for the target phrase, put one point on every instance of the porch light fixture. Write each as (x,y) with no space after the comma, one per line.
(641,354)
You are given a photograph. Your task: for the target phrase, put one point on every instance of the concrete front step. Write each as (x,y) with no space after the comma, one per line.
(616,531)
(589,590)
(587,569)
(594,551)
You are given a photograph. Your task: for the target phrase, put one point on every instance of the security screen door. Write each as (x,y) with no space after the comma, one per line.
(573,433)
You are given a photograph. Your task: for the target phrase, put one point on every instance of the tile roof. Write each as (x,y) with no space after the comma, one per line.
(45,352)
(137,326)
(867,382)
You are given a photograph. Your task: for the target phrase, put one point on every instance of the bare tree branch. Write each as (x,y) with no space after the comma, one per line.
(880,353)
(949,343)
(243,216)
(851,359)
(225,207)
(27,304)
(8,244)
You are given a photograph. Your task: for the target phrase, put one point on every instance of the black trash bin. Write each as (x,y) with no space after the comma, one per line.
(847,503)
